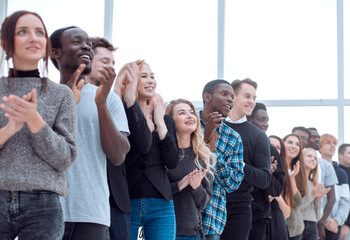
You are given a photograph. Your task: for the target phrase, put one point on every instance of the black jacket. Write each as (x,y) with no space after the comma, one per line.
(146,173)
(140,139)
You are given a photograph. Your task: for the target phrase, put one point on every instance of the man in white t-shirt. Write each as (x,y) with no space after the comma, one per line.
(102,132)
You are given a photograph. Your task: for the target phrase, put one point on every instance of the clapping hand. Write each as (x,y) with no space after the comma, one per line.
(76,83)
(319,191)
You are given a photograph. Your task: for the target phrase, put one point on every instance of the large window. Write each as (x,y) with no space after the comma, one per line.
(284,119)
(288,47)
(346,50)
(177,38)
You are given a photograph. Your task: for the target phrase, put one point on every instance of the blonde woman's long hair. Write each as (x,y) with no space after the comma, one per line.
(197,143)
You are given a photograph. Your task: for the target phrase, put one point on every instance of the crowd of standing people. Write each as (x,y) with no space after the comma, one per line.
(101,156)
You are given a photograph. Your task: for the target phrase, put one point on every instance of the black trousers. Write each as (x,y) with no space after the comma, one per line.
(239,221)
(259,229)
(331,235)
(84,231)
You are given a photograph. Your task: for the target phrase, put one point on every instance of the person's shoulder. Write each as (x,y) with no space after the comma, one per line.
(324,162)
(58,88)
(255,129)
(229,136)
(342,175)
(274,151)
(227,130)
(168,118)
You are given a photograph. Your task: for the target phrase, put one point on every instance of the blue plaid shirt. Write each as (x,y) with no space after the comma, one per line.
(228,176)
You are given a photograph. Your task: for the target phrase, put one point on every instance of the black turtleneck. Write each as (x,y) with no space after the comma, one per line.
(20,74)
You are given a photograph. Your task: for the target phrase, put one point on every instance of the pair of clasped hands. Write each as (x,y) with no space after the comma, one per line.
(22,110)
(193,179)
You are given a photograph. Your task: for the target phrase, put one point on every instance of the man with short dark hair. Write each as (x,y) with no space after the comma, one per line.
(119,198)
(303,133)
(256,153)
(101,133)
(217,98)
(260,118)
(328,177)
(314,139)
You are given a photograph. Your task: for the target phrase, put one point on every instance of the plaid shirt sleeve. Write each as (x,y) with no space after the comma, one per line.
(228,177)
(229,163)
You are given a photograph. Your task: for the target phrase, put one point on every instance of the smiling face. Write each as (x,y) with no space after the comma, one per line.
(260,119)
(221,99)
(147,84)
(292,146)
(102,57)
(310,158)
(30,42)
(76,49)
(185,118)
(244,100)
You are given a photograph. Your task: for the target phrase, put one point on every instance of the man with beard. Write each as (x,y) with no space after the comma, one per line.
(256,153)
(101,133)
(227,144)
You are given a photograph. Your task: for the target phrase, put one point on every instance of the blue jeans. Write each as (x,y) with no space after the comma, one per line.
(120,228)
(212,237)
(30,215)
(156,216)
(183,237)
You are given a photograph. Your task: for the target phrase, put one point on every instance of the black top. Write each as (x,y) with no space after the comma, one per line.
(347,170)
(140,139)
(19,74)
(256,156)
(146,173)
(261,203)
(188,203)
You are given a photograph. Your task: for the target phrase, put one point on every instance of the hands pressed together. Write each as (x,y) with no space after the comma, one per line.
(193,179)
(22,110)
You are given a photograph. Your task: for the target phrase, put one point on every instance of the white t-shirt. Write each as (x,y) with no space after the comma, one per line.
(88,194)
(327,176)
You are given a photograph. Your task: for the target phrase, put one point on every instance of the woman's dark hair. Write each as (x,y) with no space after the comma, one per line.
(8,29)
(300,178)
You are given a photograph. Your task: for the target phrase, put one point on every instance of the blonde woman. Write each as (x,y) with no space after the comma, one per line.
(192,180)
(311,207)
(148,183)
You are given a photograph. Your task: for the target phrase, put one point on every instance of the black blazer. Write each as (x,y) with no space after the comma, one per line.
(163,154)
(140,139)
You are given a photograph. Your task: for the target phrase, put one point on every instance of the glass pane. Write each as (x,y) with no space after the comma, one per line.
(346,49)
(177,38)
(288,47)
(347,126)
(86,14)
(284,119)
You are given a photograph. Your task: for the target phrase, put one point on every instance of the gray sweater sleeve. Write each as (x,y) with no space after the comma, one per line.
(203,194)
(56,144)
